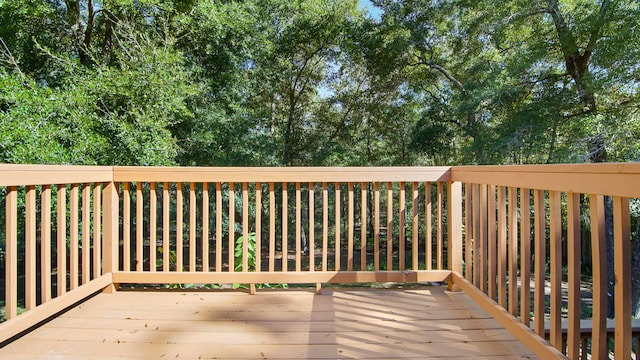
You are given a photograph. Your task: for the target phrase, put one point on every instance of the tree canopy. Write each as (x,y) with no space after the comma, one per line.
(310,82)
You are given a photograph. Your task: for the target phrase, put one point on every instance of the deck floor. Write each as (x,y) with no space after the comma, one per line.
(409,323)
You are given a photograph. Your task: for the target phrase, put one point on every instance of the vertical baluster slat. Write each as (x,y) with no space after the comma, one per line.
(389,226)
(376,226)
(153,226)
(525,256)
(74,231)
(86,233)
(599,348)
(30,248)
(350,226)
(502,247)
(245,226)
(205,227)
(258,227)
(166,226)
(312,228)
(179,227)
(414,228)
(428,251)
(298,226)
(555,238)
(513,250)
(622,273)
(483,231)
(139,227)
(126,226)
(11,256)
(45,244)
(540,261)
(272,227)
(325,225)
(218,237)
(337,227)
(232,227)
(573,280)
(468,233)
(363,226)
(477,253)
(285,227)
(192,226)
(97,231)
(61,247)
(492,243)
(439,228)
(402,212)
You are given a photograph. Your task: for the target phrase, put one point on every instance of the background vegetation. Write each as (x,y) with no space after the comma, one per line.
(274,82)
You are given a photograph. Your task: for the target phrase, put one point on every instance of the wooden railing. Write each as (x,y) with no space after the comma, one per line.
(486,230)
(524,227)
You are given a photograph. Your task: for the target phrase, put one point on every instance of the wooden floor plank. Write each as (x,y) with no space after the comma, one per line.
(411,323)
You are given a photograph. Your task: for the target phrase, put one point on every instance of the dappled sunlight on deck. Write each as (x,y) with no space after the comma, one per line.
(422,322)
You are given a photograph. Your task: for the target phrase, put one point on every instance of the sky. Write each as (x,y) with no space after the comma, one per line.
(373,11)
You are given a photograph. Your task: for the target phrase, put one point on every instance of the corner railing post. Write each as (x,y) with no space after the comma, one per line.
(454,229)
(110,233)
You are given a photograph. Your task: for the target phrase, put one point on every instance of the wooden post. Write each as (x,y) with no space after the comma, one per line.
(622,273)
(454,212)
(110,221)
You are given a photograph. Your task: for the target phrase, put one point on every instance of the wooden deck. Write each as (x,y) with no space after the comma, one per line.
(408,323)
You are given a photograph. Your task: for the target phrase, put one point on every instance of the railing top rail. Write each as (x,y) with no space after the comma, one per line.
(613,179)
(281,174)
(21,175)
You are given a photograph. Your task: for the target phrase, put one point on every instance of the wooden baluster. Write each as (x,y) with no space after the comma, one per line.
(126,226)
(402,212)
(258,227)
(192,227)
(439,227)
(363,226)
(622,273)
(338,227)
(513,251)
(312,228)
(573,280)
(285,228)
(11,255)
(350,226)
(97,230)
(477,253)
(415,246)
(468,233)
(179,232)
(232,227)
(139,227)
(482,240)
(502,247)
(45,244)
(325,225)
(540,261)
(61,251)
(298,227)
(428,220)
(272,227)
(74,231)
(555,238)
(205,227)
(219,236)
(492,243)
(376,226)
(166,226)
(389,226)
(245,227)
(30,248)
(86,234)
(599,346)
(525,256)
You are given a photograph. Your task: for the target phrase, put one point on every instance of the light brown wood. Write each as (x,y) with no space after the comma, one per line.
(298,238)
(61,245)
(363,226)
(45,243)
(319,326)
(192,226)
(338,228)
(622,273)
(492,243)
(389,226)
(468,234)
(536,344)
(376,226)
(74,232)
(166,222)
(525,256)
(258,227)
(110,231)
(86,232)
(482,261)
(206,265)
(179,228)
(28,175)
(10,328)
(280,174)
(502,247)
(30,244)
(11,255)
(350,226)
(140,227)
(285,227)
(325,225)
(401,226)
(573,278)
(599,348)
(540,260)
(219,236)
(126,226)
(439,226)
(231,244)
(289,277)
(415,244)
(475,230)
(272,227)
(615,179)
(97,229)
(312,228)
(428,253)
(513,251)
(245,227)
(555,240)
(454,230)
(153,226)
